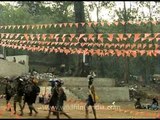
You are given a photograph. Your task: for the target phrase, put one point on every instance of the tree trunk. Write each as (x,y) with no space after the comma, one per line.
(79,17)
(126,59)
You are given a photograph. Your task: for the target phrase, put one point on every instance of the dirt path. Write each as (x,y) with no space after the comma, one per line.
(75,108)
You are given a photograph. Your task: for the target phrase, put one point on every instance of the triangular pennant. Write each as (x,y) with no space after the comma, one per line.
(100,37)
(76,24)
(118,53)
(13,26)
(89,24)
(144,46)
(23,26)
(11,36)
(122,22)
(116,23)
(147,35)
(60,25)
(63,39)
(44,36)
(139,46)
(154,53)
(145,22)
(22,37)
(27,26)
(154,22)
(9,26)
(7,35)
(156,34)
(18,26)
(56,35)
(136,37)
(133,46)
(151,38)
(143,39)
(85,39)
(1,27)
(82,23)
(134,53)
(38,36)
(102,23)
(95,23)
(49,25)
(108,23)
(156,46)
(51,36)
(5,27)
(120,36)
(129,35)
(65,24)
(70,24)
(90,36)
(117,39)
(57,38)
(149,52)
(38,26)
(32,36)
(41,26)
(150,45)
(26,37)
(130,22)
(110,37)
(80,36)
(138,22)
(45,25)
(142,52)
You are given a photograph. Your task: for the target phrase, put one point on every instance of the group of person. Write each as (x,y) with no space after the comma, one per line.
(153,106)
(28,90)
(21,89)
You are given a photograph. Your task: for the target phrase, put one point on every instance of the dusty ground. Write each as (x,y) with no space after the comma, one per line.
(75,108)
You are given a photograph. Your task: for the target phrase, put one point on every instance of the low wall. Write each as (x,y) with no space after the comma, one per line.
(83,82)
(105,94)
(12,69)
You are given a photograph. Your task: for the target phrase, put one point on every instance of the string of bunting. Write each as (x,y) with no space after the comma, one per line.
(101,37)
(132,46)
(64,25)
(99,52)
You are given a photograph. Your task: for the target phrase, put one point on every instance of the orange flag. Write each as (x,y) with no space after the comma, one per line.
(156,34)
(95,23)
(147,35)
(144,45)
(102,23)
(116,23)
(151,38)
(38,36)
(139,45)
(100,37)
(130,22)
(65,24)
(55,25)
(45,25)
(89,24)
(11,36)
(70,24)
(51,36)
(118,53)
(44,36)
(76,24)
(143,39)
(154,53)
(138,22)
(154,22)
(123,23)
(156,46)
(120,36)
(136,37)
(82,23)
(142,52)
(150,45)
(26,37)
(108,23)
(110,38)
(133,45)
(149,52)
(134,53)
(129,35)
(90,37)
